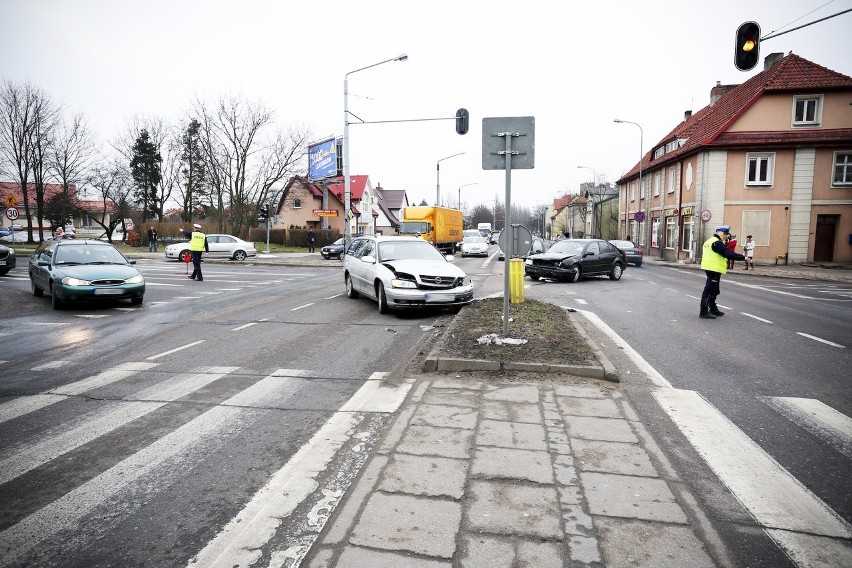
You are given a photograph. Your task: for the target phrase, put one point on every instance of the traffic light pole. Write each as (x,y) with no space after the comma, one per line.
(267,233)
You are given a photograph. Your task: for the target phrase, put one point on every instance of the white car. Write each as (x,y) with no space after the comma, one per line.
(404,273)
(221,246)
(474,246)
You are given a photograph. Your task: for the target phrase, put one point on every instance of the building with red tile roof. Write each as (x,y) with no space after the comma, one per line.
(771,157)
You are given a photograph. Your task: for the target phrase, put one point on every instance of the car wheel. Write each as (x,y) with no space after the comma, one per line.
(382,298)
(185,256)
(38,292)
(55,302)
(4,271)
(616,272)
(240,255)
(350,290)
(577,276)
(136,301)
(638,264)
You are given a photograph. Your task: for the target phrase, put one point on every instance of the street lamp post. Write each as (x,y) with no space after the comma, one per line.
(347,183)
(641,155)
(438,178)
(594,173)
(460,187)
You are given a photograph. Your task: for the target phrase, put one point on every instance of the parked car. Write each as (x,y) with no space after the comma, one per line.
(474,246)
(572,259)
(221,246)
(402,272)
(77,270)
(632,251)
(8,261)
(334,250)
(538,245)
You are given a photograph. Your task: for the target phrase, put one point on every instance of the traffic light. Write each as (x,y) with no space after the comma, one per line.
(462,119)
(264,213)
(747,48)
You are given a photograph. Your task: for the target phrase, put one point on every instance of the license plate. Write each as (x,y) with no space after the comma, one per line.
(440,299)
(107,291)
(2,263)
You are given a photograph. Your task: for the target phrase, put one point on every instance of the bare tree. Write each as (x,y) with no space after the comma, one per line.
(72,152)
(24,113)
(41,142)
(113,187)
(244,164)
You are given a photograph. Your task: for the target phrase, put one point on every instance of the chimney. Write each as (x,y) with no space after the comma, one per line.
(719,91)
(687,114)
(771,60)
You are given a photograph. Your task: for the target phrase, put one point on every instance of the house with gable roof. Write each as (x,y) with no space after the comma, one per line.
(771,157)
(373,209)
(85,217)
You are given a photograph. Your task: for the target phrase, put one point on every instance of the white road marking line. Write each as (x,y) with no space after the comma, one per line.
(149,283)
(240,542)
(823,421)
(581,301)
(67,510)
(26,404)
(673,290)
(693,297)
(91,316)
(49,366)
(175,350)
(92,425)
(821,340)
(332,297)
(755,317)
(775,498)
(244,326)
(637,359)
(300,307)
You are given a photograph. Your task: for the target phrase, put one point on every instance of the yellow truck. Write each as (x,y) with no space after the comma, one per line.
(439,225)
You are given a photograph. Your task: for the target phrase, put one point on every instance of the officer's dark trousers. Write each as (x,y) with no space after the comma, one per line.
(711,291)
(196,265)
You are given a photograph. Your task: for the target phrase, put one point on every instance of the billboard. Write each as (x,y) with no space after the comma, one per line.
(322,160)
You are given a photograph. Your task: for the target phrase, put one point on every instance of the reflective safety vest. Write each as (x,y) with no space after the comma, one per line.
(197,241)
(712,260)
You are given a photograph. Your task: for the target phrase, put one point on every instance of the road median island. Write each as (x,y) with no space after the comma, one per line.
(543,338)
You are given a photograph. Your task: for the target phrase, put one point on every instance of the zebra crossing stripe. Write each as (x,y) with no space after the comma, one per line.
(821,420)
(65,512)
(26,404)
(28,456)
(241,541)
(775,498)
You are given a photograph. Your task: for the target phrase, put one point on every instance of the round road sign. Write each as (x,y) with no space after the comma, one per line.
(705,215)
(639,216)
(11,213)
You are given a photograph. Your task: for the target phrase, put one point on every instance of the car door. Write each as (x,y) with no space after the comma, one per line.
(366,269)
(218,247)
(591,262)
(609,255)
(41,274)
(357,270)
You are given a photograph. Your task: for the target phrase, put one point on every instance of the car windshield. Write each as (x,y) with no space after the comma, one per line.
(414,249)
(88,254)
(567,247)
(475,240)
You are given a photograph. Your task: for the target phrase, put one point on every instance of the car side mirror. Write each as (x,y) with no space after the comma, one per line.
(449,257)
(43,263)
(588,253)
(368,259)
(131,262)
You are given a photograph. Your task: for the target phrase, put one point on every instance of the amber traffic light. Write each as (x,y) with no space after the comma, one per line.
(747,48)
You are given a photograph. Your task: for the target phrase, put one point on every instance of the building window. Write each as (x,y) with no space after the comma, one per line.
(760,168)
(655,232)
(297,203)
(632,192)
(671,232)
(842,169)
(670,181)
(807,110)
(657,181)
(686,238)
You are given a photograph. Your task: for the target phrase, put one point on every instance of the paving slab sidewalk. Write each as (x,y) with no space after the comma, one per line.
(487,472)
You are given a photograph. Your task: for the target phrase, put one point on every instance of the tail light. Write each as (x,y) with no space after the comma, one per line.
(638,250)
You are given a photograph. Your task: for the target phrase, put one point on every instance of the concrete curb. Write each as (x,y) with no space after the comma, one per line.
(604,370)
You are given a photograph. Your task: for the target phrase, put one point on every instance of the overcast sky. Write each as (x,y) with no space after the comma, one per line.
(574,66)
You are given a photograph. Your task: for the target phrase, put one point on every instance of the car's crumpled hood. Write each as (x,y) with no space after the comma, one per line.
(428,267)
(548,257)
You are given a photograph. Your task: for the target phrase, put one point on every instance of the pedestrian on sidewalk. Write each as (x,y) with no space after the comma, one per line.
(197,245)
(312,239)
(731,241)
(714,261)
(152,239)
(748,249)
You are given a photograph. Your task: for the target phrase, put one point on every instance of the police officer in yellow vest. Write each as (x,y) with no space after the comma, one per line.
(714,262)
(197,245)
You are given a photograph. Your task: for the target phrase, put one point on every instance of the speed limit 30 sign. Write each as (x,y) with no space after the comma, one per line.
(11,213)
